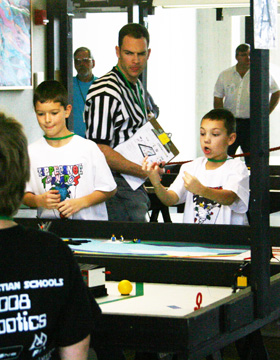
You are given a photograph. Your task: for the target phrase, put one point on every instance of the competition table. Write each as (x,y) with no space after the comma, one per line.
(163,319)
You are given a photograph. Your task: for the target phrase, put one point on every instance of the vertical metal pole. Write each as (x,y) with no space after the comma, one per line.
(66,53)
(259,120)
(51,40)
(143,14)
(130,13)
(59,46)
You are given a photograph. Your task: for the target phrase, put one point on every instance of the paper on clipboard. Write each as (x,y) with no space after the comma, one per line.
(150,140)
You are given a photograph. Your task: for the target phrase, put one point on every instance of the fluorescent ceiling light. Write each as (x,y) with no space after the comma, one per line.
(202,3)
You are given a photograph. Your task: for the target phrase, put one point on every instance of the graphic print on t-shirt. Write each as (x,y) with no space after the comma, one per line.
(205,210)
(38,344)
(22,315)
(11,352)
(60,176)
(64,178)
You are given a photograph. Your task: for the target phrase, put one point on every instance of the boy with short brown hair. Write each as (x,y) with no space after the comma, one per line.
(70,177)
(214,188)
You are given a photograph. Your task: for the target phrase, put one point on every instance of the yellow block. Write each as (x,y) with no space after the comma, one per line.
(242,281)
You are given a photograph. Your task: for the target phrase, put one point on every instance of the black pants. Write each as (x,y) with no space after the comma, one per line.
(242,139)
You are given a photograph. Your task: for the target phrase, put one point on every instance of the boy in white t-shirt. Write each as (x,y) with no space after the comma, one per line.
(214,188)
(70,177)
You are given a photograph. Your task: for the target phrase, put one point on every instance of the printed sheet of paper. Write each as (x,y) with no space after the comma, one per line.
(150,140)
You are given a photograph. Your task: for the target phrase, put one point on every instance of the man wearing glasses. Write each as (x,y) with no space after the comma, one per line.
(84,63)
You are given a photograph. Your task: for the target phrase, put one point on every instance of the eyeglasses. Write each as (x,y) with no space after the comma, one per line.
(85,60)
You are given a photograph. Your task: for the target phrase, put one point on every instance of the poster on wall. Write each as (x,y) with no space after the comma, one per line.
(15,45)
(265,24)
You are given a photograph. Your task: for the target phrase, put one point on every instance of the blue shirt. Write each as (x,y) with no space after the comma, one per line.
(80,90)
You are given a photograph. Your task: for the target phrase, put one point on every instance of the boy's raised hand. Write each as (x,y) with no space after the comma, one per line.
(192,184)
(153,170)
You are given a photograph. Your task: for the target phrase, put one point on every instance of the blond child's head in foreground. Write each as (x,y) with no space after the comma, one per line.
(217,133)
(51,106)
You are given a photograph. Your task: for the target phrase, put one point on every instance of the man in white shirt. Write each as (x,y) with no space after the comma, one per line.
(232,92)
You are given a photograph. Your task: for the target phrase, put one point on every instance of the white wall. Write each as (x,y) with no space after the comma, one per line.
(99,32)
(171,75)
(216,42)
(213,56)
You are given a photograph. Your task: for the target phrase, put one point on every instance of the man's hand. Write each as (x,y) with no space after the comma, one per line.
(218,103)
(274,100)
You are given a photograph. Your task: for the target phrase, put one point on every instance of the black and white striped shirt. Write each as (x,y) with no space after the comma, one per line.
(112,115)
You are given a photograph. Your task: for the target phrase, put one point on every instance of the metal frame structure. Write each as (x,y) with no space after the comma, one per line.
(205,331)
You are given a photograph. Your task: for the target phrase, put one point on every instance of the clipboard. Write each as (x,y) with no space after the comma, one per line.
(164,138)
(150,140)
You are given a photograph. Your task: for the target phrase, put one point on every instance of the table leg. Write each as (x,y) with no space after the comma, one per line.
(252,347)
(216,356)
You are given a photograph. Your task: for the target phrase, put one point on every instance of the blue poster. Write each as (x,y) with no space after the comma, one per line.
(265,24)
(15,44)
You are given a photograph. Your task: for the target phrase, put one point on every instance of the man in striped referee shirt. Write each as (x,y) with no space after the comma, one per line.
(115,109)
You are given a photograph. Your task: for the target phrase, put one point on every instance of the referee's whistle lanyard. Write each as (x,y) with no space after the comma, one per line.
(140,101)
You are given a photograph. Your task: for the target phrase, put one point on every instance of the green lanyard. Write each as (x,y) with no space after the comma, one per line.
(217,161)
(141,102)
(59,138)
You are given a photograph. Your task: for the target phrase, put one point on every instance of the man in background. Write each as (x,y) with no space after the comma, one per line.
(84,63)
(232,92)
